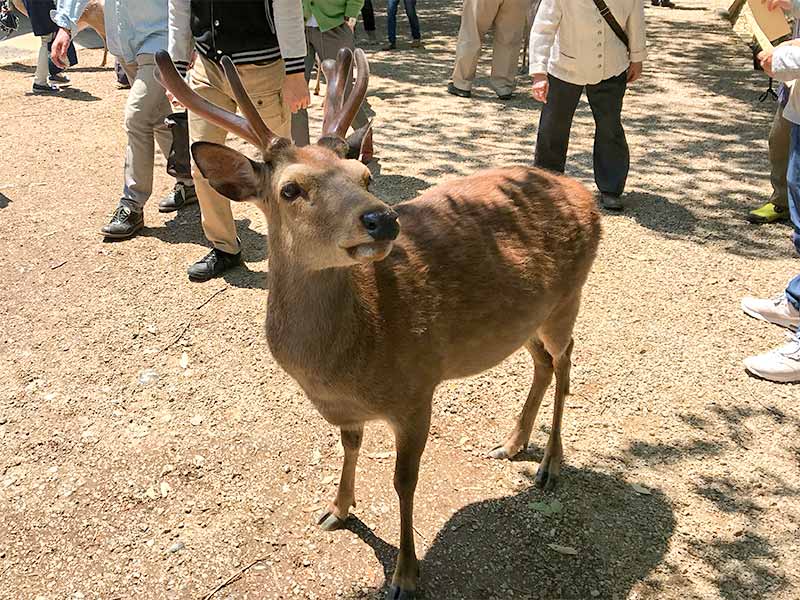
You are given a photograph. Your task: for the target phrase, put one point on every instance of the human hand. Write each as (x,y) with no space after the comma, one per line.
(634,71)
(351,23)
(775,4)
(58,51)
(765,58)
(540,87)
(295,92)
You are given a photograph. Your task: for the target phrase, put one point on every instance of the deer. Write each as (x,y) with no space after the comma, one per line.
(371,306)
(93,16)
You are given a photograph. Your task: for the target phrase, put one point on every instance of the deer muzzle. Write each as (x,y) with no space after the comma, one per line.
(382,226)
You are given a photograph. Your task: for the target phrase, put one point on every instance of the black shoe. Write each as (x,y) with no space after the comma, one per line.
(124,223)
(611,202)
(39,88)
(58,78)
(214,264)
(181,195)
(505,96)
(452,89)
(389,47)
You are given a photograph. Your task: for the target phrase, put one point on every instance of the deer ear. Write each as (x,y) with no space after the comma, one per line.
(229,172)
(359,144)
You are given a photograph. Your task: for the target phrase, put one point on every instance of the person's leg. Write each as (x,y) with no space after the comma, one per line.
(476,19)
(144,121)
(555,122)
(391,21)
(40,83)
(793,183)
(413,19)
(209,82)
(611,157)
(509,29)
(300,134)
(264,84)
(368,16)
(779,140)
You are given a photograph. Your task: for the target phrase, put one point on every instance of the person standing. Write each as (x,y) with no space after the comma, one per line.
(413,21)
(507,17)
(135,33)
(265,40)
(782,364)
(573,47)
(329,28)
(368,16)
(47,74)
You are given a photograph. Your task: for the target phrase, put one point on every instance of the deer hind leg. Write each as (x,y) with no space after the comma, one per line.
(339,509)
(410,438)
(542,376)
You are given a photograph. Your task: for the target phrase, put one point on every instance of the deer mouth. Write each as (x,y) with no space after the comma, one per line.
(370,252)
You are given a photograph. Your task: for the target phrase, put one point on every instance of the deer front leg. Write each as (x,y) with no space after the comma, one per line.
(410,440)
(550,467)
(339,509)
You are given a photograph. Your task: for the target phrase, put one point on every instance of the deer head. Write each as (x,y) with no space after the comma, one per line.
(316,199)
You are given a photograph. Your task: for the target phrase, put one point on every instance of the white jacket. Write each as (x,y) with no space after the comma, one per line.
(572,41)
(786,68)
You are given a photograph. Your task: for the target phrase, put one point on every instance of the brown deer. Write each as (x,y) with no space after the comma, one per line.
(93,16)
(371,307)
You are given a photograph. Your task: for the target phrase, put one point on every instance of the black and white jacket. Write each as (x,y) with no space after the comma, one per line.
(248,31)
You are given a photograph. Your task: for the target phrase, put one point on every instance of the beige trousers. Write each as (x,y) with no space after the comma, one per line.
(264,83)
(145,110)
(507,17)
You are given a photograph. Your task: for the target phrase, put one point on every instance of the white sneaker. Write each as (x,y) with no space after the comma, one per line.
(777,311)
(781,365)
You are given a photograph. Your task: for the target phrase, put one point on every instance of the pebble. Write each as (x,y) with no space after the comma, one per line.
(176,547)
(3,420)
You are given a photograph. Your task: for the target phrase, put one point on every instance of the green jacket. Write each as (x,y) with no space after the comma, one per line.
(331,13)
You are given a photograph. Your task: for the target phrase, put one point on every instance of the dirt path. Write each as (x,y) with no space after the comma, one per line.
(111,489)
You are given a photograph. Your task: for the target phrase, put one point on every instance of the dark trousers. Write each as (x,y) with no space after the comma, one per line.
(611,157)
(411,13)
(368,14)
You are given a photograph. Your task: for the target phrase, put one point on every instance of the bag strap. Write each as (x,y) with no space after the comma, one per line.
(612,22)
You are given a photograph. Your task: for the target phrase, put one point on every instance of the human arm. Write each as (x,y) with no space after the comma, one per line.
(290,29)
(543,35)
(637,36)
(66,16)
(180,40)
(782,63)
(790,6)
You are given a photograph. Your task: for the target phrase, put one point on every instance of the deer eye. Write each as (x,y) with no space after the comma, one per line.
(291,191)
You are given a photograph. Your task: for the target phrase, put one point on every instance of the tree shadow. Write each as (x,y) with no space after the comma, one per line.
(498,548)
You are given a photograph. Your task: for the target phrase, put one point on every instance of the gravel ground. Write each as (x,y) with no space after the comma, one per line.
(114,489)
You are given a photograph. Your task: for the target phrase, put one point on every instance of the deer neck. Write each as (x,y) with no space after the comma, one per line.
(316,320)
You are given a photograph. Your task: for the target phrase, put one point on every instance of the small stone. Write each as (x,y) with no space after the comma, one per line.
(165,489)
(3,420)
(196,420)
(148,377)
(167,469)
(287,469)
(199,460)
(594,593)
(176,547)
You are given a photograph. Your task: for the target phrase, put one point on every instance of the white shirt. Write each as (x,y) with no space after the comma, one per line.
(572,41)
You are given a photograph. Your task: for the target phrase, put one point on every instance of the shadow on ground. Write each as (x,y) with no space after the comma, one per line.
(499,548)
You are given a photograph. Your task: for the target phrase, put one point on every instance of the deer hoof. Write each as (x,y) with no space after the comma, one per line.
(330,522)
(545,479)
(499,453)
(395,593)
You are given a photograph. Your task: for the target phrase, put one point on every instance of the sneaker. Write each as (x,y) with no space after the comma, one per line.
(45,88)
(214,264)
(388,47)
(58,78)
(416,43)
(182,195)
(777,311)
(124,223)
(781,365)
(452,89)
(769,213)
(611,202)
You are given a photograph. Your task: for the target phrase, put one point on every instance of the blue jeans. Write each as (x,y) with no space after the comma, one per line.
(411,13)
(793,182)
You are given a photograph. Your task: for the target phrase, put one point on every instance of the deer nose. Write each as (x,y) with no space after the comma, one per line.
(381,225)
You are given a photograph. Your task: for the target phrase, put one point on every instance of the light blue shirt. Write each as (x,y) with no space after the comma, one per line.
(133,27)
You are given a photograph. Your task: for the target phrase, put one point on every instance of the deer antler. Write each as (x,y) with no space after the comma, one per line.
(340,112)
(251,128)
